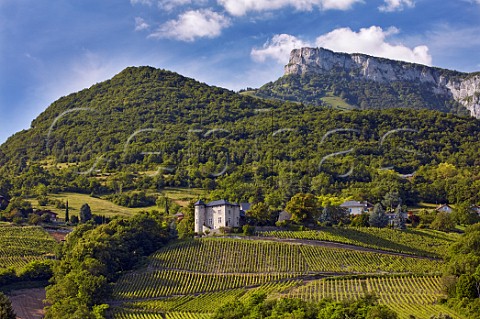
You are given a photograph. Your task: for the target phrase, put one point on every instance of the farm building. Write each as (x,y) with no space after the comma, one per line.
(444,208)
(356,208)
(216,214)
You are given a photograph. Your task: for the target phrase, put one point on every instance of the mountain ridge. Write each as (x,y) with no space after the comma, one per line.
(463,88)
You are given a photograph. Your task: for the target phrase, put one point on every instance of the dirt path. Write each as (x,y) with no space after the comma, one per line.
(28,303)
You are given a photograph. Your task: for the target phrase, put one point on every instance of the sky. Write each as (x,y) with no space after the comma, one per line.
(51,48)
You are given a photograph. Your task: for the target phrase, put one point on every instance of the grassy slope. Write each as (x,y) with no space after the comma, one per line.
(101,206)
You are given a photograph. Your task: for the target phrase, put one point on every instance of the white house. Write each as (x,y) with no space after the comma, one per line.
(356,208)
(216,214)
(444,208)
(476,209)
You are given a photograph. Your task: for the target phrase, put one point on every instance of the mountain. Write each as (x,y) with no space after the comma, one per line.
(315,75)
(146,128)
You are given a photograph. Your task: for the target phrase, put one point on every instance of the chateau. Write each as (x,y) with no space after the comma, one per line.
(217,214)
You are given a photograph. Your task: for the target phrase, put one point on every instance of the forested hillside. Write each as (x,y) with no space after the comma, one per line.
(147,128)
(320,89)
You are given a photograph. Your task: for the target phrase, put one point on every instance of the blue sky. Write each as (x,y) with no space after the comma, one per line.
(50,48)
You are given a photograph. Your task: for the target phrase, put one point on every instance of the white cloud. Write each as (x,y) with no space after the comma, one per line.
(144,2)
(241,7)
(373,41)
(193,24)
(278,48)
(169,5)
(397,5)
(140,24)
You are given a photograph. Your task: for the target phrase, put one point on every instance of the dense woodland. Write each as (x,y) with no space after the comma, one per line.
(146,129)
(358,94)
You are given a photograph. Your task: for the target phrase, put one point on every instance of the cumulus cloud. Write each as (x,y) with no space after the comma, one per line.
(372,41)
(193,24)
(278,48)
(241,7)
(140,24)
(396,5)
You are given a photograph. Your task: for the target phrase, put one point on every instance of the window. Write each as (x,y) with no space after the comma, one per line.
(219,220)
(229,222)
(229,212)
(210,221)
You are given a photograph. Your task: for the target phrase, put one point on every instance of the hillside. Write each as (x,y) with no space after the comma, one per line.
(146,129)
(191,279)
(314,76)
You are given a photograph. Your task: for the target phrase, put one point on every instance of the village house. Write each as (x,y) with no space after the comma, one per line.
(476,209)
(217,214)
(444,208)
(357,208)
(51,215)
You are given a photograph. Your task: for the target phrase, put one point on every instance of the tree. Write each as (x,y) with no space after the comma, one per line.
(186,226)
(361,220)
(303,207)
(6,309)
(399,221)
(67,217)
(260,214)
(335,215)
(391,199)
(85,213)
(443,222)
(378,218)
(463,214)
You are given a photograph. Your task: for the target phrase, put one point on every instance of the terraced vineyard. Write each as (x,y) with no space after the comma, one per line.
(408,295)
(21,245)
(417,242)
(191,278)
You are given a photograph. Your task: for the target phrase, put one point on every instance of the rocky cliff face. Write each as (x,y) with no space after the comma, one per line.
(462,87)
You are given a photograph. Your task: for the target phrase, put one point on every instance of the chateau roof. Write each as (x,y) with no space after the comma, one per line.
(354,203)
(221,202)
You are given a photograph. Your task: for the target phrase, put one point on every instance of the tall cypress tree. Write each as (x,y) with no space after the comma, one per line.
(67,217)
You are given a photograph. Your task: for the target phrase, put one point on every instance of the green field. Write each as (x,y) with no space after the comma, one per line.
(21,245)
(194,277)
(104,207)
(337,102)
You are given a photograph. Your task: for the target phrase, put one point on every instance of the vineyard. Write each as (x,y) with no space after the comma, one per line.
(416,242)
(192,278)
(21,245)
(408,295)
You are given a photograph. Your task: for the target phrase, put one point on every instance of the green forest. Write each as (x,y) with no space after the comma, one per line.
(146,129)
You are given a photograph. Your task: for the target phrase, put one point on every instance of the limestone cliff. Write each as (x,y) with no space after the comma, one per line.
(462,87)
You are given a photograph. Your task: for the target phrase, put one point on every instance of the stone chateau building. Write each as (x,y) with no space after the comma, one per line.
(216,214)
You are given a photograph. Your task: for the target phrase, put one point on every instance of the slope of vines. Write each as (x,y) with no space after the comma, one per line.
(21,245)
(408,295)
(416,242)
